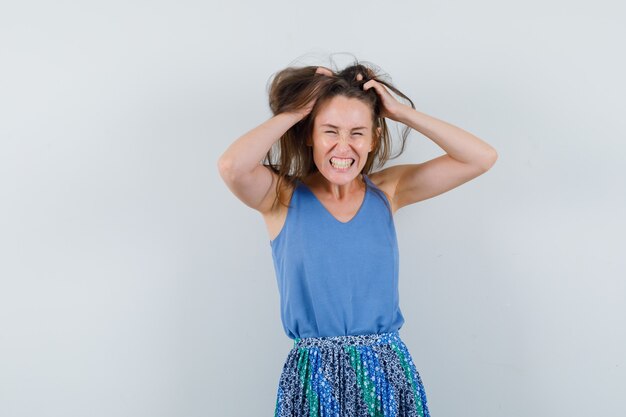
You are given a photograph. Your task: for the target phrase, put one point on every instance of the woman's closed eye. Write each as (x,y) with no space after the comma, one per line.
(334,133)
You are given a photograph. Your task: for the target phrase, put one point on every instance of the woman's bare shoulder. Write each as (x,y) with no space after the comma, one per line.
(385,181)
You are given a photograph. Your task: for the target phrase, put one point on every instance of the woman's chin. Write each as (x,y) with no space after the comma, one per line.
(340,175)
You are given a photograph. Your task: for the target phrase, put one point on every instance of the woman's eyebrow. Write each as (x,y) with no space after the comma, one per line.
(335,127)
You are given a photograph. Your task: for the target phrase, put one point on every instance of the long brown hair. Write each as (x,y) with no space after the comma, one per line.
(293,88)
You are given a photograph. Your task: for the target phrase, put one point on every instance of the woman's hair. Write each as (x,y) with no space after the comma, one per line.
(292,88)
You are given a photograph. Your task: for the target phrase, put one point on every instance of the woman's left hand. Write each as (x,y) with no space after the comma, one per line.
(391,108)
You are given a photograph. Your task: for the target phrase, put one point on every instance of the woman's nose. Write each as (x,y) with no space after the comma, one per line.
(342,139)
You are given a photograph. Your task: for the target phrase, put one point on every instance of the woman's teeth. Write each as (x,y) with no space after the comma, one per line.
(341,163)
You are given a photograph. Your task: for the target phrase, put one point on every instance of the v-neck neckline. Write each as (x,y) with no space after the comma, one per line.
(328,211)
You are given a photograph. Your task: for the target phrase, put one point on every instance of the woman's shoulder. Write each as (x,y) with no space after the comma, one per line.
(385,183)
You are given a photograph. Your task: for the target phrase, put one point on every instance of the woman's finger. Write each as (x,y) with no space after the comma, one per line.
(324,71)
(376,86)
(371,84)
(390,104)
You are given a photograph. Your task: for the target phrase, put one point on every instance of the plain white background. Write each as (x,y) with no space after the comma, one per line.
(133,283)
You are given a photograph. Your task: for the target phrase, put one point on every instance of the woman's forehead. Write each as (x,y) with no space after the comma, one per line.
(344,112)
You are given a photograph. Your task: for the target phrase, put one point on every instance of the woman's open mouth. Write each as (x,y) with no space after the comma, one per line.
(341,163)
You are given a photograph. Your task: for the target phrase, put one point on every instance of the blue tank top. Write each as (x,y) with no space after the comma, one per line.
(337,278)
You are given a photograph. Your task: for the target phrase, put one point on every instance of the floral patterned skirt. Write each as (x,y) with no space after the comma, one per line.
(370,375)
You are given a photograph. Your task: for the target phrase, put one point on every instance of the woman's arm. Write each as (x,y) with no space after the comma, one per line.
(466,156)
(458,144)
(240,165)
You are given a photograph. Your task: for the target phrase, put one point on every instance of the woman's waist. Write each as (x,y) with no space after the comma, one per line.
(348,340)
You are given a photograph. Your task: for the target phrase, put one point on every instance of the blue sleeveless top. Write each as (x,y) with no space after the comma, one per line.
(337,278)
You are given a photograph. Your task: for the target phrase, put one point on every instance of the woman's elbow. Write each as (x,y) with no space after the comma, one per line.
(490,159)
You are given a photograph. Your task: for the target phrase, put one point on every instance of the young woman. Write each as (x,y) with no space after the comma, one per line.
(330,222)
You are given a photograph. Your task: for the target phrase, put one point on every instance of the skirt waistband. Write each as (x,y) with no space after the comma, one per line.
(349,340)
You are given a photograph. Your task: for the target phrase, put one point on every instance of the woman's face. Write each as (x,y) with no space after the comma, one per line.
(342,138)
